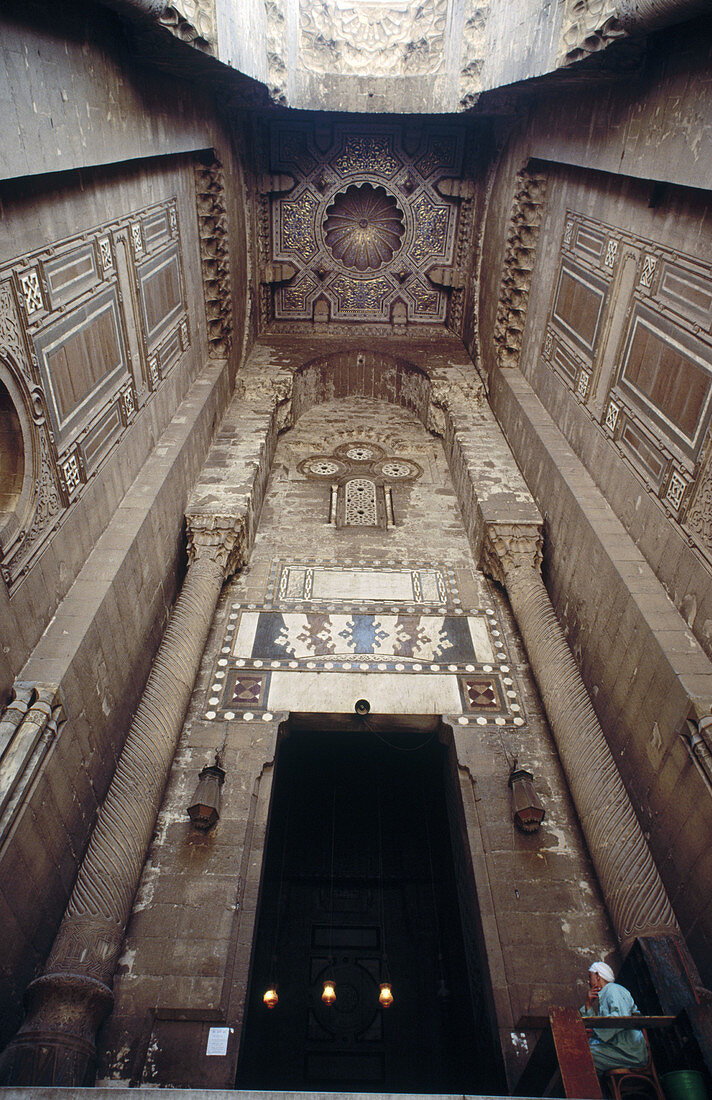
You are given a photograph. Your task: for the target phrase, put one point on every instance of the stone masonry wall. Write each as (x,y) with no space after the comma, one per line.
(80,99)
(100,141)
(38,214)
(630,579)
(281,643)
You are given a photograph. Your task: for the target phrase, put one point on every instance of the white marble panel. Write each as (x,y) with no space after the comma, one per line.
(362,584)
(429,586)
(245,633)
(388,693)
(480,639)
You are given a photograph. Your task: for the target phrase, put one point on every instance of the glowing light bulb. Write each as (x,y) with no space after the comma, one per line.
(385,997)
(328,995)
(270,997)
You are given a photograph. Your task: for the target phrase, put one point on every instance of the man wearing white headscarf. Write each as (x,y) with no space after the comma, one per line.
(612,1048)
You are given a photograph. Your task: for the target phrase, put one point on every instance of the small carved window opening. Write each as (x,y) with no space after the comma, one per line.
(360,505)
(360,474)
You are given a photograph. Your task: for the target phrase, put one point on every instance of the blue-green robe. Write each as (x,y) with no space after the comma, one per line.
(613,1048)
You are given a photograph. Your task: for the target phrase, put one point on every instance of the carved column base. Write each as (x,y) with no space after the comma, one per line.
(56,1043)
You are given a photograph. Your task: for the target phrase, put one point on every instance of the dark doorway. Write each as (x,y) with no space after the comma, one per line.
(358,868)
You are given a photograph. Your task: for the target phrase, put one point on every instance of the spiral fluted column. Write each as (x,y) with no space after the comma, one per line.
(633,890)
(68,1002)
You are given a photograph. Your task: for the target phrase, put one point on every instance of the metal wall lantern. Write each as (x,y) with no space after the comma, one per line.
(204,810)
(528,809)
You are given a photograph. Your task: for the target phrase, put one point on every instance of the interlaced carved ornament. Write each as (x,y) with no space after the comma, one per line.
(360,503)
(364,223)
(360,473)
(12,344)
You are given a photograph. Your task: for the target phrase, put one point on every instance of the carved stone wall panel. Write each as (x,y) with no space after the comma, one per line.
(66,359)
(393,38)
(364,222)
(651,379)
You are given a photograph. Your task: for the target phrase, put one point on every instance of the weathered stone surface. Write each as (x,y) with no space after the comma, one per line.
(105,114)
(382,402)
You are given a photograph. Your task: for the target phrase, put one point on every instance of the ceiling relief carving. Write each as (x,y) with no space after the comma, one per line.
(372,37)
(363,227)
(363,218)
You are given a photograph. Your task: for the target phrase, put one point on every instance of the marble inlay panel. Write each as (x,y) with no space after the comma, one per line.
(390,693)
(305,582)
(395,634)
(273,635)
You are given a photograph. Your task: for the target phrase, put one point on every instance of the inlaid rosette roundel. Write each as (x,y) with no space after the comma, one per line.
(322,466)
(363,227)
(398,468)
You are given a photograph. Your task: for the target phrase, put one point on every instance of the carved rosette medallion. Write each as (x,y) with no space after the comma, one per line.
(364,222)
(364,227)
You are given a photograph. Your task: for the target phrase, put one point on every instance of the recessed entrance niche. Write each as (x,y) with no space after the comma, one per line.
(359,885)
(12,457)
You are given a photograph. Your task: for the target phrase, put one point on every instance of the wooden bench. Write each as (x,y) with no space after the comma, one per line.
(563,1045)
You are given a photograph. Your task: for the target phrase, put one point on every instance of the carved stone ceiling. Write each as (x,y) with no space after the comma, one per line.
(372,37)
(365,219)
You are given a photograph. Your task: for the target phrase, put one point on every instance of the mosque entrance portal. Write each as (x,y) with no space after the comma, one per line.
(359,888)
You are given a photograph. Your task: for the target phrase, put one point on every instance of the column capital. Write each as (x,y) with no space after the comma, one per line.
(217,537)
(509,546)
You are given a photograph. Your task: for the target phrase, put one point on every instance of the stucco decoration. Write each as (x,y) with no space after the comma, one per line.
(588,26)
(192,21)
(367,38)
(518,268)
(363,227)
(365,222)
(214,255)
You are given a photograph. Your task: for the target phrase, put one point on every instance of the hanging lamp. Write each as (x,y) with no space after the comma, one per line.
(204,810)
(385,994)
(528,809)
